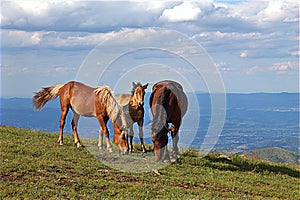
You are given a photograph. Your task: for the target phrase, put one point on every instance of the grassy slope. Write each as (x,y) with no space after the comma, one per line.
(33,166)
(273,154)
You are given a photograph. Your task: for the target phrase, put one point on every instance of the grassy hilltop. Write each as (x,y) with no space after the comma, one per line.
(33,166)
(273,154)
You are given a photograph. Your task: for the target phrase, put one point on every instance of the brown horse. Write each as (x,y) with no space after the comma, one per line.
(168,104)
(89,102)
(134,103)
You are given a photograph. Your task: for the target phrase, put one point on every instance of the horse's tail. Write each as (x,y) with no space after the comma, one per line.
(108,99)
(46,94)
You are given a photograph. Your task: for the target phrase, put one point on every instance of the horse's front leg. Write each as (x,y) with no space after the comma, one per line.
(100,142)
(103,129)
(108,144)
(166,156)
(141,134)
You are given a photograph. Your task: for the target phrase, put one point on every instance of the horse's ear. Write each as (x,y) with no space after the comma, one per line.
(134,85)
(145,86)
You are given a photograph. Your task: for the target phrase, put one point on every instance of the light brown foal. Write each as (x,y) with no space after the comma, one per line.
(134,104)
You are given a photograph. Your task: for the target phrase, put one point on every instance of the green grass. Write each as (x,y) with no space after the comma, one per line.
(33,166)
(273,154)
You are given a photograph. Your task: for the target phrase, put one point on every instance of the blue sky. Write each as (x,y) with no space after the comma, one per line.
(254,45)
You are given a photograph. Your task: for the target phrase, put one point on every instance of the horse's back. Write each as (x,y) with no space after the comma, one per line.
(169,84)
(123,99)
(81,97)
(177,93)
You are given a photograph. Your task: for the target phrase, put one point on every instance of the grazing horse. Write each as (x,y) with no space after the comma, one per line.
(89,102)
(168,104)
(134,103)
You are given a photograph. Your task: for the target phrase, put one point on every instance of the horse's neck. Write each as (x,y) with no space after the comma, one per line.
(126,111)
(121,119)
(132,103)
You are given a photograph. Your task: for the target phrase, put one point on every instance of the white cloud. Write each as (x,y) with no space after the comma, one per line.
(278,10)
(226,69)
(187,11)
(278,68)
(34,7)
(65,69)
(221,64)
(232,27)
(283,67)
(155,6)
(255,69)
(82,16)
(295,53)
(16,38)
(228,35)
(265,31)
(244,54)
(48,39)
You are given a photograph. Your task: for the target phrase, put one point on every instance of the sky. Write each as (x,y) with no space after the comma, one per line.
(214,46)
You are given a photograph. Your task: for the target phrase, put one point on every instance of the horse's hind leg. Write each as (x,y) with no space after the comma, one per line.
(74,128)
(166,156)
(64,112)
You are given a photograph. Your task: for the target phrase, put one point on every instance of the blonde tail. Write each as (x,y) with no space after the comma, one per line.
(46,94)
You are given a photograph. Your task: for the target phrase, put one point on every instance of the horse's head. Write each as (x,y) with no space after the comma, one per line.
(123,144)
(138,93)
(121,138)
(160,141)
(121,131)
(160,131)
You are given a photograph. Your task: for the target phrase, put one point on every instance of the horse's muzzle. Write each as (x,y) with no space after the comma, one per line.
(124,152)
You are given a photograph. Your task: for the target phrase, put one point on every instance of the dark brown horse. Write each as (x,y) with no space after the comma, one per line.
(134,103)
(168,105)
(89,102)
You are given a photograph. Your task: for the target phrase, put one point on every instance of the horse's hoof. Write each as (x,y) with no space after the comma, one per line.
(78,145)
(110,150)
(100,147)
(123,152)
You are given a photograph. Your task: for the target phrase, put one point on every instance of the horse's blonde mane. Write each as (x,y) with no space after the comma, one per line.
(108,99)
